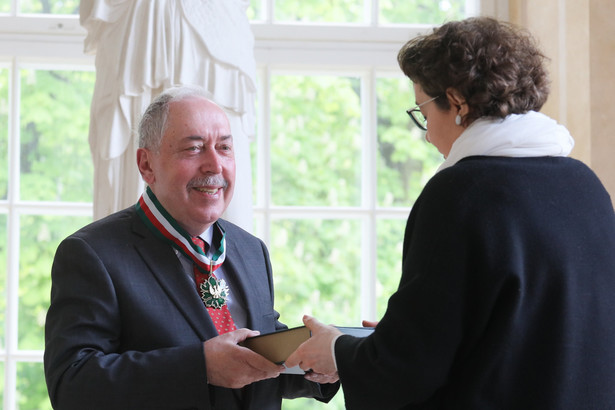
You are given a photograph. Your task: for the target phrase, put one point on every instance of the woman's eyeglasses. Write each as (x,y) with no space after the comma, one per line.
(418,117)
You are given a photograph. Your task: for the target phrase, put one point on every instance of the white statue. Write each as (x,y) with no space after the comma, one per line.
(145,46)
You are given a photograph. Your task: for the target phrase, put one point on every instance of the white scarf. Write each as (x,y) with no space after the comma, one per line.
(518,135)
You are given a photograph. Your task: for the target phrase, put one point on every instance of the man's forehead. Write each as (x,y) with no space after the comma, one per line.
(219,137)
(196,119)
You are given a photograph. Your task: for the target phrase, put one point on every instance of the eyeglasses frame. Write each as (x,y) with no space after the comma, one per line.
(411,112)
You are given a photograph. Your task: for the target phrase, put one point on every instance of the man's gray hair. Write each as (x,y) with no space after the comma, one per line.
(154,120)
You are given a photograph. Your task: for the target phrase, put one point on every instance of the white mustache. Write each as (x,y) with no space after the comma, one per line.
(212,180)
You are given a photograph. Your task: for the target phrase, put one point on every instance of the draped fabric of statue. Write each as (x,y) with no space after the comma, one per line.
(145,46)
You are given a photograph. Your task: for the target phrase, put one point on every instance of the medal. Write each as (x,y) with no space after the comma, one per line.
(214,292)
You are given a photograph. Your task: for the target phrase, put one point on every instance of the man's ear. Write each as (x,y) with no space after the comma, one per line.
(145,166)
(457,101)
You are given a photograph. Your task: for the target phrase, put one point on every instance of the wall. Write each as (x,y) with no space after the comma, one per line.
(579,37)
(602,89)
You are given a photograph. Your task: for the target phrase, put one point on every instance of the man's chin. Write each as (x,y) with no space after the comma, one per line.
(210,215)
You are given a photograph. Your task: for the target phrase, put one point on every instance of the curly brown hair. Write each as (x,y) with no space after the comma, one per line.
(496,66)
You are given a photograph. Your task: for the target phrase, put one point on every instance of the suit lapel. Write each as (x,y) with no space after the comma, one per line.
(241,282)
(168,271)
(249,279)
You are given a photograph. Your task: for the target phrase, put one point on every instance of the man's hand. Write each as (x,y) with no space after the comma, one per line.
(233,366)
(315,353)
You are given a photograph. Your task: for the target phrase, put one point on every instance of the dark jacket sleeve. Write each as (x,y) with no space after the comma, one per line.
(85,359)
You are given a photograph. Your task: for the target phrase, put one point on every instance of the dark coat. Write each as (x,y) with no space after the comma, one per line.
(506,299)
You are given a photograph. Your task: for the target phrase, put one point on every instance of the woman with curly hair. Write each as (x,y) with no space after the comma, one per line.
(508,275)
(479,70)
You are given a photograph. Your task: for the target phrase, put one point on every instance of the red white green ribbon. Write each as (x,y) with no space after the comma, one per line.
(157,219)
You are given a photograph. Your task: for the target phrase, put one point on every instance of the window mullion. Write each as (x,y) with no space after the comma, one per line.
(369,200)
(374,12)
(13,220)
(263,184)
(269,11)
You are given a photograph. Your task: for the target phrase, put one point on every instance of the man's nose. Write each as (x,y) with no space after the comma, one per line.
(211,162)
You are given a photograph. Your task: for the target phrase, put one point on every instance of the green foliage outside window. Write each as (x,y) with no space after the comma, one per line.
(31,387)
(49,6)
(319,11)
(317,269)
(39,238)
(420,11)
(55,156)
(315,140)
(405,160)
(356,11)
(4,133)
(389,241)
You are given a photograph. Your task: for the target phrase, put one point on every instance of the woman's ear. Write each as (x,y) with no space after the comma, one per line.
(457,101)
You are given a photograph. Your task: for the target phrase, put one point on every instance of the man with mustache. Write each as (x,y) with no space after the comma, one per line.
(149,305)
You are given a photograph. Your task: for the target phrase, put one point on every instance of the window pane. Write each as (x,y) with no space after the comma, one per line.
(31,387)
(389,252)
(55,157)
(315,140)
(319,11)
(255,10)
(405,160)
(5,6)
(3,268)
(422,11)
(317,270)
(40,236)
(49,6)
(4,132)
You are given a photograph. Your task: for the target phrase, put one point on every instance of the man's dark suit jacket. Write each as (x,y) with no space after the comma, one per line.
(126,325)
